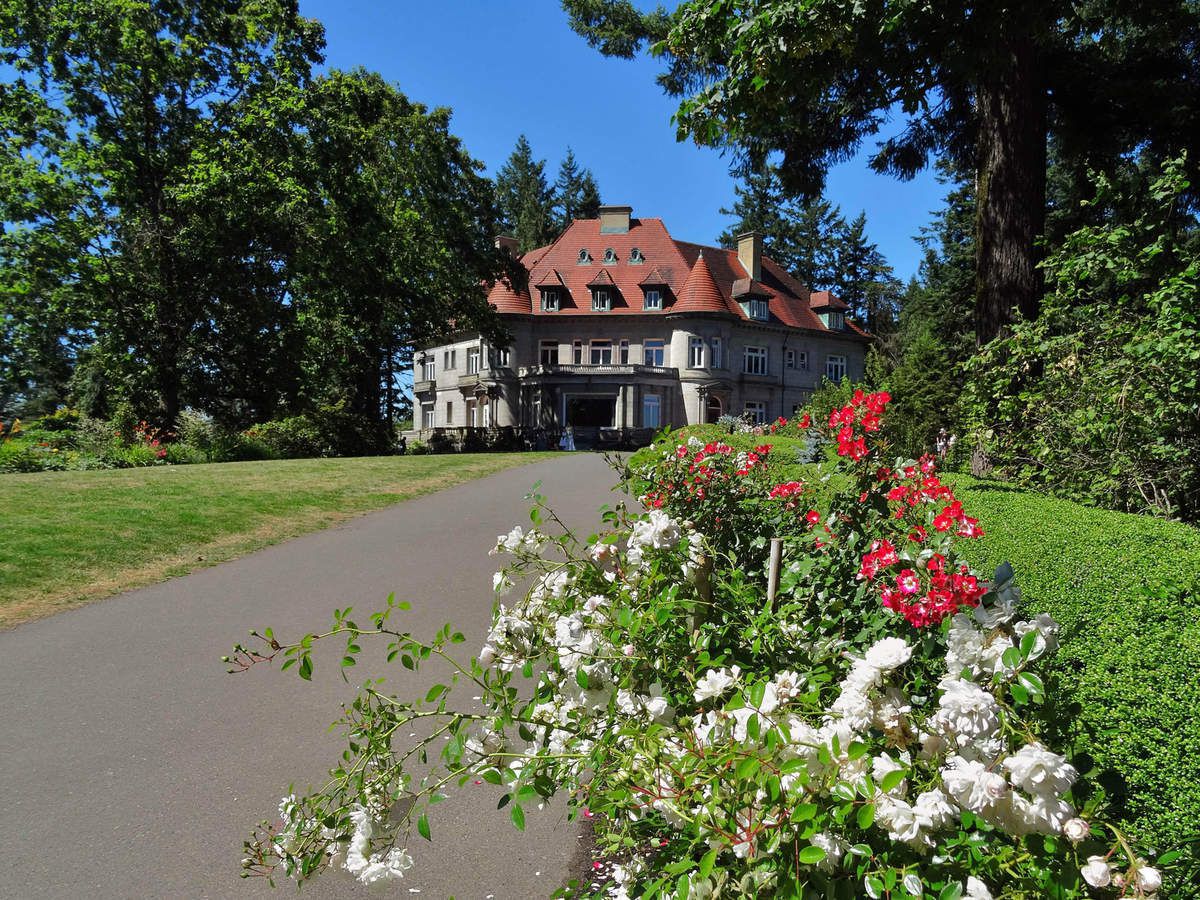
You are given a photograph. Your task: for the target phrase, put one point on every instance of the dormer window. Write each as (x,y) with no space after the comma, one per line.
(550,301)
(584,257)
(601,300)
(635,257)
(759,309)
(653,299)
(610,256)
(835,320)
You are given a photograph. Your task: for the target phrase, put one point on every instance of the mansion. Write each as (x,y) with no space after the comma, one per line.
(624,329)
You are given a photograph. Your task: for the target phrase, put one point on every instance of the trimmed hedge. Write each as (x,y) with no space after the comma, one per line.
(1124,588)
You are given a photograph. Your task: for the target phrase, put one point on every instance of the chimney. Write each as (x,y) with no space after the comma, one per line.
(615,219)
(750,253)
(507,243)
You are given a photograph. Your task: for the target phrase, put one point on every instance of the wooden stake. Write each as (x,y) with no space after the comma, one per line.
(773,571)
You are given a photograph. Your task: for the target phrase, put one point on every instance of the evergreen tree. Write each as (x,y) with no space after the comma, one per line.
(983,85)
(801,237)
(576,195)
(864,279)
(524,201)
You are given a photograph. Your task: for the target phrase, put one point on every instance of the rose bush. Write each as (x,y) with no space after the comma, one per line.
(874,728)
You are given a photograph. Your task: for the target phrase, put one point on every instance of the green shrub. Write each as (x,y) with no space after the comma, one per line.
(65,419)
(198,430)
(297,437)
(137,456)
(1123,587)
(27,456)
(419,448)
(180,453)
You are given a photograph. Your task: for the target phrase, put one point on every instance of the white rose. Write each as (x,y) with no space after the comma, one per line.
(1076,830)
(715,682)
(976,890)
(888,654)
(487,655)
(1148,879)
(1097,872)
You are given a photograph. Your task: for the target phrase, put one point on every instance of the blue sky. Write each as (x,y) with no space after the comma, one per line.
(508,67)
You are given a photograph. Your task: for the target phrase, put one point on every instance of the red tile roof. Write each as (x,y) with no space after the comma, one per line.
(700,293)
(826,300)
(697,278)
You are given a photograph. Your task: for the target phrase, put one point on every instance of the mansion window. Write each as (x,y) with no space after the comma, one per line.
(473,358)
(449,413)
(802,360)
(716,357)
(757,411)
(584,257)
(835,321)
(610,256)
(427,369)
(635,257)
(548,353)
(789,358)
(450,360)
(695,353)
(835,368)
(653,299)
(755,361)
(601,354)
(624,360)
(758,309)
(601,300)
(654,353)
(651,411)
(426,415)
(577,353)
(549,301)
(501,357)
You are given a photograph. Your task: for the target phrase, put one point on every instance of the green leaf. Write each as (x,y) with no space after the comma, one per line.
(811,855)
(1011,657)
(518,817)
(709,859)
(803,812)
(891,779)
(952,891)
(581,678)
(306,667)
(434,692)
(492,776)
(423,827)
(866,815)
(1028,642)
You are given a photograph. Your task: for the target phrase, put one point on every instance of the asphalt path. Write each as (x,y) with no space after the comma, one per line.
(133,766)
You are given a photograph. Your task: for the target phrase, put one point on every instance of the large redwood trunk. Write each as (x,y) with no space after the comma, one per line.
(1011,188)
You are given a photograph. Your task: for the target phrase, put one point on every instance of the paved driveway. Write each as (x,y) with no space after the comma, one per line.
(132,766)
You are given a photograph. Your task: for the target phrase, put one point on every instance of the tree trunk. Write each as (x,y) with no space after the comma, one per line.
(1011,184)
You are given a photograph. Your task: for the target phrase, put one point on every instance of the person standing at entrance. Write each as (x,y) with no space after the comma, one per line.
(567,441)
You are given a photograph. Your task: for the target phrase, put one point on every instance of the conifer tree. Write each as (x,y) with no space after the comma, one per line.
(576,195)
(524,200)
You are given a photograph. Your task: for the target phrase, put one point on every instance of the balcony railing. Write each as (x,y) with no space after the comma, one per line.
(424,386)
(602,369)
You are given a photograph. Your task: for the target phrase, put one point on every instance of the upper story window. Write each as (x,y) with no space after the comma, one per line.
(758,309)
(473,360)
(548,353)
(550,301)
(610,256)
(601,300)
(835,368)
(501,357)
(835,320)
(601,354)
(450,360)
(635,257)
(654,353)
(802,360)
(695,353)
(577,353)
(653,299)
(584,257)
(427,369)
(624,360)
(755,361)
(717,356)
(789,358)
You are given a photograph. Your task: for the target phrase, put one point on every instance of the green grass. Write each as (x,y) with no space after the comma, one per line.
(72,537)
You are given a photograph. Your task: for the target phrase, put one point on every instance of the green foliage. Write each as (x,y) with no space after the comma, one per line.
(524,198)
(576,195)
(1124,589)
(1097,398)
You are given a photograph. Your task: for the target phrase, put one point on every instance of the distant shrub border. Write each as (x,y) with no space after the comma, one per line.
(865,719)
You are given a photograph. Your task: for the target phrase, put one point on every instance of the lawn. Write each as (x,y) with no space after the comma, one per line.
(72,537)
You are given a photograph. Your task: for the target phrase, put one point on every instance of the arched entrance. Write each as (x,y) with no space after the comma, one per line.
(712,409)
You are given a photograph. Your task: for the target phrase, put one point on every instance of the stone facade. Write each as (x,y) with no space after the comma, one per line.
(625,328)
